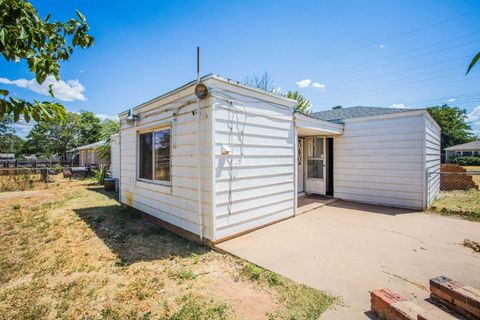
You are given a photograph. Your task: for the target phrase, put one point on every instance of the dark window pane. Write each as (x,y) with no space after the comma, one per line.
(315,169)
(146,160)
(162,155)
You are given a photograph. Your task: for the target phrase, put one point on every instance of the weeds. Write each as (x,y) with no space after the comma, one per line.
(464,204)
(194,307)
(302,302)
(185,273)
(474,245)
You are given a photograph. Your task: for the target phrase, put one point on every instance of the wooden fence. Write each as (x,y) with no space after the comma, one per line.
(35,163)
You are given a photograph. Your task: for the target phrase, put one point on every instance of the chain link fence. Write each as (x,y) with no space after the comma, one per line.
(454,177)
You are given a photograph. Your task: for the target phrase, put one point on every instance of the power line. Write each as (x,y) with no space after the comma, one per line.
(388,86)
(457,97)
(362,64)
(361,68)
(390,38)
(394,74)
(417,87)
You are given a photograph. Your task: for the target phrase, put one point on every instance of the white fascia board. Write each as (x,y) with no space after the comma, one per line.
(307,122)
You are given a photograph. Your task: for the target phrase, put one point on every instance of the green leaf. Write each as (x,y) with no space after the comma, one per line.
(80,15)
(4,92)
(474,61)
(50,90)
(3,36)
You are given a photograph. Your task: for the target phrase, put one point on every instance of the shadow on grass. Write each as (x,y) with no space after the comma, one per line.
(133,238)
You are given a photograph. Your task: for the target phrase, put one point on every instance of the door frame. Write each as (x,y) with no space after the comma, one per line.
(300,165)
(315,185)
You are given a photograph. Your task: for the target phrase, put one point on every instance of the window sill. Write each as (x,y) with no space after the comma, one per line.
(159,186)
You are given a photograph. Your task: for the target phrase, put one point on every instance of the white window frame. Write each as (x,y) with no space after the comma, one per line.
(152,131)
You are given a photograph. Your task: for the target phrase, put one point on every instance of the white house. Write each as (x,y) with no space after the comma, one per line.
(239,158)
(463,150)
(88,154)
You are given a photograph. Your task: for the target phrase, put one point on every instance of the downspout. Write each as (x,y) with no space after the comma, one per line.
(295,164)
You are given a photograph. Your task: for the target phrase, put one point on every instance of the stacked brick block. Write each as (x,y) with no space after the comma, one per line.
(455,296)
(454,177)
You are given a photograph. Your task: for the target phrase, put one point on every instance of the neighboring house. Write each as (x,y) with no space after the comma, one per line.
(87,155)
(463,150)
(239,159)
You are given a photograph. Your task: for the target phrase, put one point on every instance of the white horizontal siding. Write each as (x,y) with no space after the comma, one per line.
(176,203)
(381,161)
(254,184)
(432,159)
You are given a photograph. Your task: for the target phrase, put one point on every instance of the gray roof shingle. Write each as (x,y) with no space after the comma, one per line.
(474,145)
(337,115)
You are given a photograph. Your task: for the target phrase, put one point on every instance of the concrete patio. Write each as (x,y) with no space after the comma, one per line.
(349,249)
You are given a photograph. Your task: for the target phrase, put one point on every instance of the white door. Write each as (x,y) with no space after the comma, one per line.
(300,176)
(315,181)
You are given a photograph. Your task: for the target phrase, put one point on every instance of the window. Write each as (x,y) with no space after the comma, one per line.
(467,153)
(154,155)
(315,159)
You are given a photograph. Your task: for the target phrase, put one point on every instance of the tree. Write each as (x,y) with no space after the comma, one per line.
(49,140)
(337,107)
(474,61)
(9,141)
(109,127)
(90,128)
(303,105)
(264,82)
(6,124)
(453,121)
(25,36)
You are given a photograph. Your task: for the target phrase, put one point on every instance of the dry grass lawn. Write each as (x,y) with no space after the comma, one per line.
(476,177)
(465,204)
(72,252)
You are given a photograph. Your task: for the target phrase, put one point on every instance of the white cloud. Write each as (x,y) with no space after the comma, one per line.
(66,91)
(304,83)
(103,116)
(381,46)
(399,106)
(320,86)
(451,100)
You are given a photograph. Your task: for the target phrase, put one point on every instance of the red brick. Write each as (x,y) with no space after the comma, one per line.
(405,310)
(381,301)
(462,298)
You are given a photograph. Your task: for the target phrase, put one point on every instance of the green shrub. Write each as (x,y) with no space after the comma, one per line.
(465,161)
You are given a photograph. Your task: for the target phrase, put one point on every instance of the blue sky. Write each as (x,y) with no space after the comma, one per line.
(373,53)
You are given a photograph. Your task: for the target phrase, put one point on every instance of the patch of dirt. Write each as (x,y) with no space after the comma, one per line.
(249,302)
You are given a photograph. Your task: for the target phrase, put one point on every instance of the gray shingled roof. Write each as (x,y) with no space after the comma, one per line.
(474,145)
(337,115)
